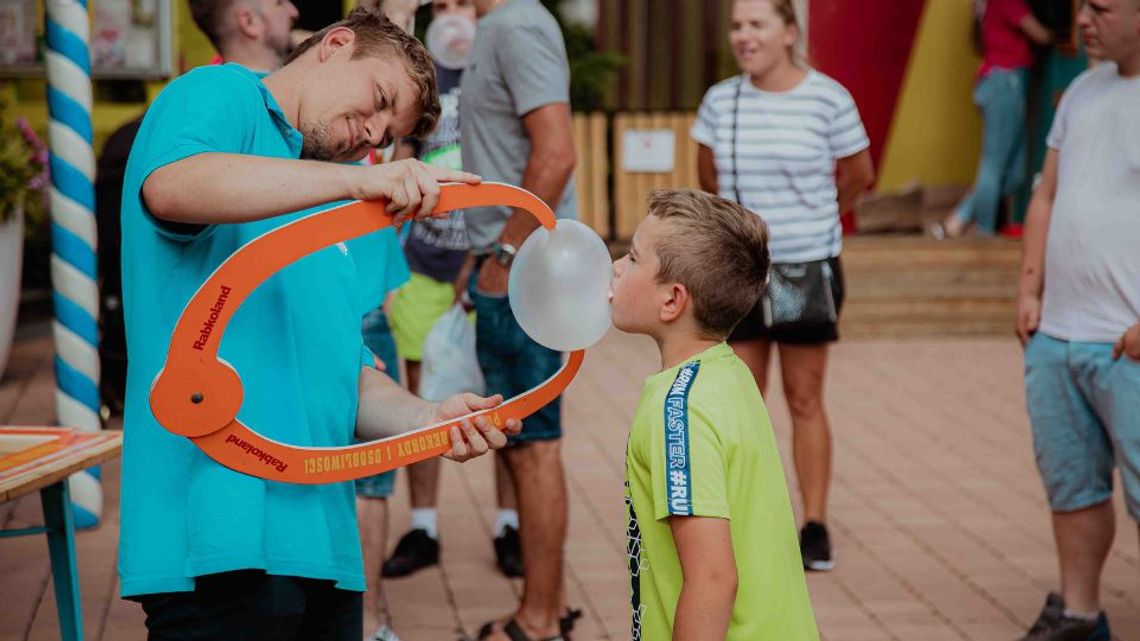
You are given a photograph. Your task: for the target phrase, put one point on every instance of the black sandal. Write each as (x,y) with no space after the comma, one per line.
(566,623)
(515,633)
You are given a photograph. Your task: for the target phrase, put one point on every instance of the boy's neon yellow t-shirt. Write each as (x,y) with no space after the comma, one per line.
(702,445)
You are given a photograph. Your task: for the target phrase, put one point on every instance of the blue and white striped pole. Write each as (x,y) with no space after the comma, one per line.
(73,262)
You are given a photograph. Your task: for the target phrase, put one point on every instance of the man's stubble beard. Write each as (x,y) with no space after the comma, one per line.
(317,143)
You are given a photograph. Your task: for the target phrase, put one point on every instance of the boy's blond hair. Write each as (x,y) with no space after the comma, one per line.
(714,247)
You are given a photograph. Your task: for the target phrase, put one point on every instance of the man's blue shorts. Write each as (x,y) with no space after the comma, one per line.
(1085,411)
(513,363)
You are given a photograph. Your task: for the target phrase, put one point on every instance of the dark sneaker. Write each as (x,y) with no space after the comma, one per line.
(415,551)
(1052,625)
(815,547)
(566,623)
(508,553)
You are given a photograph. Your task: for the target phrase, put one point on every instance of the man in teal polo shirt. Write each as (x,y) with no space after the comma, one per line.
(222,157)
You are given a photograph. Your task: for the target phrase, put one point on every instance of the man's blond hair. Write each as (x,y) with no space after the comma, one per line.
(714,247)
(378,37)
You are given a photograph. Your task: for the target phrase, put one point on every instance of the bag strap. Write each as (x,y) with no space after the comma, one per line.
(735,127)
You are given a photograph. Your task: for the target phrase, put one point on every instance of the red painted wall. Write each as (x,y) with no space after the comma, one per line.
(866,49)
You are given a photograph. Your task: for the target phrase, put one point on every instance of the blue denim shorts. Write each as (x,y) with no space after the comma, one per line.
(378,338)
(1085,411)
(513,363)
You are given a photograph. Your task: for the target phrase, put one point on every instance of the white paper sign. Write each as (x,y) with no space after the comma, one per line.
(648,151)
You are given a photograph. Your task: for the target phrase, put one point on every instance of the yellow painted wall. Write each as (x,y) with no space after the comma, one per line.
(936,135)
(26,97)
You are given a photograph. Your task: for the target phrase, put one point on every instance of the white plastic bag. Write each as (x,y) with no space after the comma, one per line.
(450,365)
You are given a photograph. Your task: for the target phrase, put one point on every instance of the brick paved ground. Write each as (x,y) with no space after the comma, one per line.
(937,511)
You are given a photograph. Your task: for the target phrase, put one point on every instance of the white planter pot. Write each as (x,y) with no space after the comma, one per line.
(11,261)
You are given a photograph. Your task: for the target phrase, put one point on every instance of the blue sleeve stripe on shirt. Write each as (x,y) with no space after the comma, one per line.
(678,468)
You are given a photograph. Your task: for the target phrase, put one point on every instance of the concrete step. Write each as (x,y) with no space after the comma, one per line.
(900,286)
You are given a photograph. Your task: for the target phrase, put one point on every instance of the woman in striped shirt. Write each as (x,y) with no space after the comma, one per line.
(771,139)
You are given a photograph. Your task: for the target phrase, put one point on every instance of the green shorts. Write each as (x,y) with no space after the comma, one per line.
(415,308)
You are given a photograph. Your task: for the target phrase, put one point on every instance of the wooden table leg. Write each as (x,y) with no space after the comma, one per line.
(64,572)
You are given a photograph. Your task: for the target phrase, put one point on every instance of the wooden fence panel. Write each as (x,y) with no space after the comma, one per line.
(592,171)
(632,188)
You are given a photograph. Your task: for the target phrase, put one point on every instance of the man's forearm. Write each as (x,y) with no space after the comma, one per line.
(703,611)
(1034,240)
(386,409)
(213,188)
(545,177)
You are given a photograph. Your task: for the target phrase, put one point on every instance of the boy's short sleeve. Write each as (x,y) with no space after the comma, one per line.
(687,459)
(534,68)
(210,109)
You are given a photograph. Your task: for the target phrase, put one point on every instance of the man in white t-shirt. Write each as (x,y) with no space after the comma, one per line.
(1079,315)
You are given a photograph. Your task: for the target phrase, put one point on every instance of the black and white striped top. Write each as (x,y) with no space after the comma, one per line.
(784,155)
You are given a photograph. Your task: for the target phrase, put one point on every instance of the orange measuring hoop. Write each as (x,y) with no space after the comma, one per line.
(198,395)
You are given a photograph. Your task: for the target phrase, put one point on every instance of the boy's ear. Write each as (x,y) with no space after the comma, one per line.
(675,303)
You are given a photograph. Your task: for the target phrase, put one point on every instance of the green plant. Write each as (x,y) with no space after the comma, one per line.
(590,70)
(23,166)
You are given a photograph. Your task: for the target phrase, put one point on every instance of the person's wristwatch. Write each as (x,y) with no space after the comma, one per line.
(503,253)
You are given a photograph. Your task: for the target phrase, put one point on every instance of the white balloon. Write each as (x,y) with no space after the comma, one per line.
(559,286)
(449,40)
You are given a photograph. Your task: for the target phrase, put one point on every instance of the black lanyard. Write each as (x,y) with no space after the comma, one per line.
(735,160)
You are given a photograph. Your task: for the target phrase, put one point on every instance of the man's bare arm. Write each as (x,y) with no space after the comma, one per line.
(212,188)
(1035,237)
(549,168)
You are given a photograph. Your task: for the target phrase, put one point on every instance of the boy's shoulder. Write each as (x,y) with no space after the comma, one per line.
(715,386)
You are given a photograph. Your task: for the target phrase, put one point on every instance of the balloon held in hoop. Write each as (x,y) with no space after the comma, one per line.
(198,395)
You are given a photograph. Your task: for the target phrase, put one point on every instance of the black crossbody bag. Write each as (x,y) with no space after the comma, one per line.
(797,294)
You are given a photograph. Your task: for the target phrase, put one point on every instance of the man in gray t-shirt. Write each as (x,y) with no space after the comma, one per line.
(516,128)
(518,67)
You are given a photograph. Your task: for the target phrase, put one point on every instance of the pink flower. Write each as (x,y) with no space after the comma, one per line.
(39,156)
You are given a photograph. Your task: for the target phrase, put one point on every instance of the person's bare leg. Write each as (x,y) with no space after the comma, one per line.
(540,485)
(504,487)
(423,483)
(372,520)
(755,354)
(423,477)
(1084,538)
(412,371)
(804,368)
(953,226)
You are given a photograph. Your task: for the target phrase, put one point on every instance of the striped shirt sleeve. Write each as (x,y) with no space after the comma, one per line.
(845,134)
(689,464)
(704,127)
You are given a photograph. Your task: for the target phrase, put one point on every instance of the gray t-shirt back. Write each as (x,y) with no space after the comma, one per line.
(518,64)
